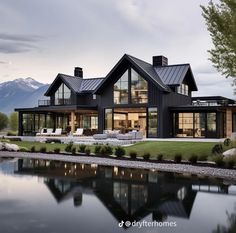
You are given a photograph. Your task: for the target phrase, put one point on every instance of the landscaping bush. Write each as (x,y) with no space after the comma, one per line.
(160,157)
(73,150)
(102,150)
(87,151)
(217,149)
(69,147)
(219,161)
(230,163)
(119,151)
(108,150)
(146,156)
(57,150)
(97,149)
(82,148)
(178,158)
(193,159)
(43,149)
(11,133)
(202,158)
(23,149)
(227,142)
(32,149)
(133,154)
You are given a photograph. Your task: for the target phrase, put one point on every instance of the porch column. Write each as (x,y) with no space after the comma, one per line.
(72,119)
(228,123)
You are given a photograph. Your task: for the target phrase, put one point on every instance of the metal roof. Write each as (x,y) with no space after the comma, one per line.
(149,69)
(77,84)
(173,74)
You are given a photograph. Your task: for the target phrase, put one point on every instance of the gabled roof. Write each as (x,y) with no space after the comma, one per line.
(76,84)
(162,76)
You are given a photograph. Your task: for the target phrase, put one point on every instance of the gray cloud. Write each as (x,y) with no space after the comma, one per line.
(18,37)
(9,47)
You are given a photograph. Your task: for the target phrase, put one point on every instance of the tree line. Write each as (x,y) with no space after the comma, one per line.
(10,121)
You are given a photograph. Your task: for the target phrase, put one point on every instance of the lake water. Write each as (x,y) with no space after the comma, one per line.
(38,196)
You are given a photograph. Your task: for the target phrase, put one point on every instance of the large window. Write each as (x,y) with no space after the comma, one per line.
(131,88)
(139,88)
(63,95)
(183,89)
(195,124)
(108,119)
(152,122)
(121,90)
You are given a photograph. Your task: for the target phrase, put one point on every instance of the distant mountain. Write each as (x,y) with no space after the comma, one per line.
(21,93)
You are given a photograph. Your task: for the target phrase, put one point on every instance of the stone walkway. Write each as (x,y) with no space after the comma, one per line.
(178,168)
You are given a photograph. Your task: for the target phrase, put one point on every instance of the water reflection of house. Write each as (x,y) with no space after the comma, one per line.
(128,194)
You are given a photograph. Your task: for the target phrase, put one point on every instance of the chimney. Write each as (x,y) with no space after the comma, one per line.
(78,72)
(159,61)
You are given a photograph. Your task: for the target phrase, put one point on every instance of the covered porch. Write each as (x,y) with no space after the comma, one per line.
(68,119)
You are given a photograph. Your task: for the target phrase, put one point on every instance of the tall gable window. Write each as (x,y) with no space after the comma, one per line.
(63,95)
(131,88)
(121,89)
(139,89)
(182,89)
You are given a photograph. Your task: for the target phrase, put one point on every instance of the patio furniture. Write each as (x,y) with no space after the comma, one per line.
(57,132)
(126,136)
(45,132)
(99,136)
(78,132)
(136,135)
(111,133)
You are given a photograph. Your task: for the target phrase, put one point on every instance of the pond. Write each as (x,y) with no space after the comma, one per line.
(57,197)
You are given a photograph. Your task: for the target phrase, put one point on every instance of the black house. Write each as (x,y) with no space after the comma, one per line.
(155,99)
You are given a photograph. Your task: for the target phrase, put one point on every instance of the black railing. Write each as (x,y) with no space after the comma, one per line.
(43,103)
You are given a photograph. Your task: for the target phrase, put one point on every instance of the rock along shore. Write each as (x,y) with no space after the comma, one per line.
(165,167)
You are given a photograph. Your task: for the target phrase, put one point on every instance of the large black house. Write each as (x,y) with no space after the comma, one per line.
(155,99)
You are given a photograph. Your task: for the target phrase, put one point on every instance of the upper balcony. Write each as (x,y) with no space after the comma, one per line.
(212,101)
(43,103)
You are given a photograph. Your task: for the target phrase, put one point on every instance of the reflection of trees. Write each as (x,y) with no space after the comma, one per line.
(231,228)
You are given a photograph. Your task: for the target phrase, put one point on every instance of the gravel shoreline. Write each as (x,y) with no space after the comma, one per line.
(166,167)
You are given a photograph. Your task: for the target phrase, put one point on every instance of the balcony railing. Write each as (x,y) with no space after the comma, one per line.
(43,103)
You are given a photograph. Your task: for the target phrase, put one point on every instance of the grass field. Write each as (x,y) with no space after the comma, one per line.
(168,149)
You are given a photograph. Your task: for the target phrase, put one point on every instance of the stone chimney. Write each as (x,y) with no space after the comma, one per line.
(78,72)
(159,61)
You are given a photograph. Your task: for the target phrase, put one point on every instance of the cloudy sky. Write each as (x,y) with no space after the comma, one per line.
(39,39)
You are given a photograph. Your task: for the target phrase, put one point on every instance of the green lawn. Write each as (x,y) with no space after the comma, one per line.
(169,149)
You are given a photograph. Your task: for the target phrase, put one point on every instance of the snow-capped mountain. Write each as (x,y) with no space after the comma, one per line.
(21,92)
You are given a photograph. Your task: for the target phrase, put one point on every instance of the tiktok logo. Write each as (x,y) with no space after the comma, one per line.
(121,224)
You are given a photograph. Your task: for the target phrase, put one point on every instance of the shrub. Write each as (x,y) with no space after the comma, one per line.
(230,163)
(146,156)
(43,149)
(227,142)
(23,149)
(73,150)
(87,151)
(108,150)
(202,158)
(97,149)
(57,150)
(82,148)
(217,149)
(193,159)
(178,158)
(219,161)
(32,149)
(102,150)
(69,147)
(11,133)
(160,157)
(119,151)
(133,154)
